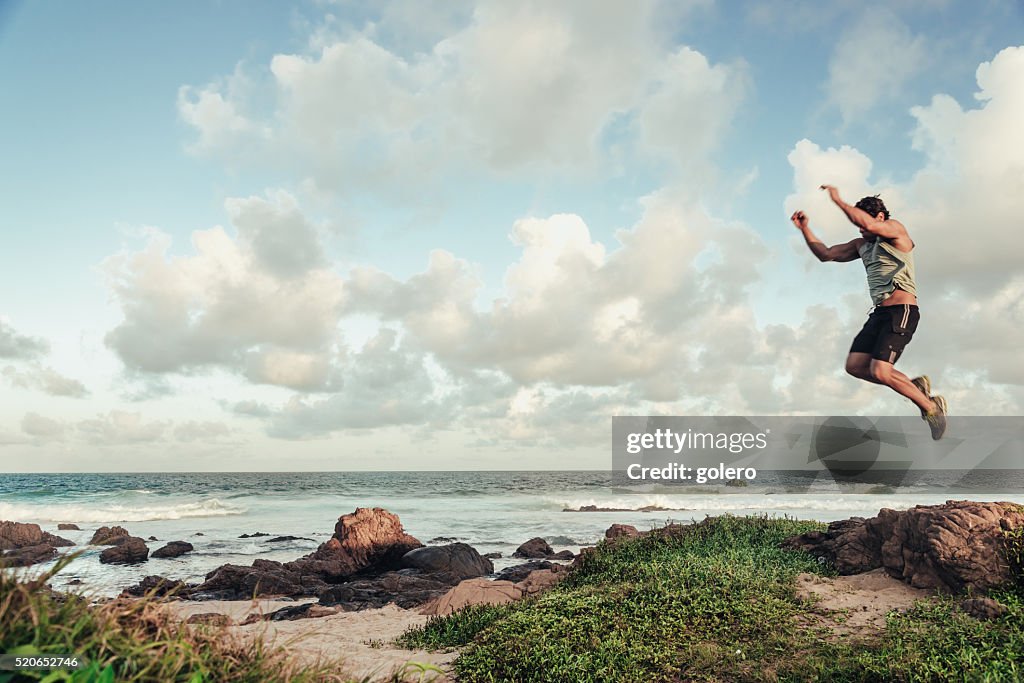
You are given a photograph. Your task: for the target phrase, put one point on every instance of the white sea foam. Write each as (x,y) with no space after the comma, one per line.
(93,512)
(835,502)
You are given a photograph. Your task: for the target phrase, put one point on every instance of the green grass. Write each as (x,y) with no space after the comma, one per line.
(138,640)
(713,602)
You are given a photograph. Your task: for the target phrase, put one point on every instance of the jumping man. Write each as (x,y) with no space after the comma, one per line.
(887,252)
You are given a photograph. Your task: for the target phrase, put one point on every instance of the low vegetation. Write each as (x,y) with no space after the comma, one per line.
(137,640)
(715,602)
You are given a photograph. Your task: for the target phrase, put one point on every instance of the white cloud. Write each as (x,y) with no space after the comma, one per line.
(263,304)
(45,379)
(574,313)
(118,428)
(386,385)
(17,346)
(213,112)
(30,373)
(281,239)
(43,429)
(673,123)
(205,431)
(251,409)
(873,60)
(527,86)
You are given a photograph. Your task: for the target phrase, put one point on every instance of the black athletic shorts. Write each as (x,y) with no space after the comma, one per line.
(887,332)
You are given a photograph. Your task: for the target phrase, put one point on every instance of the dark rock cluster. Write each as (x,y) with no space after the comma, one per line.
(955,546)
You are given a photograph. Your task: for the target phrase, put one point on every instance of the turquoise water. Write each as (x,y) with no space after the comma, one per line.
(493,511)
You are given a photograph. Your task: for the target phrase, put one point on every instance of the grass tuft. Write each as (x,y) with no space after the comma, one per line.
(128,640)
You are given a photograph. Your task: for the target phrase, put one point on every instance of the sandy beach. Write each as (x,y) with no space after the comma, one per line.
(360,641)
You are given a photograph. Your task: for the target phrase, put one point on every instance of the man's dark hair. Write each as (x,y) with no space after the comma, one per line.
(873,206)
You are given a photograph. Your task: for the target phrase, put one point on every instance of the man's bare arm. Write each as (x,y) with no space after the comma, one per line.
(839,253)
(888,229)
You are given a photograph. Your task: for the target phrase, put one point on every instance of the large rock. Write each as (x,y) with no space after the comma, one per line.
(535,548)
(235,582)
(308,610)
(459,560)
(405,588)
(519,572)
(621,531)
(14,535)
(367,539)
(474,592)
(214,619)
(22,544)
(953,546)
(158,586)
(539,580)
(27,556)
(984,609)
(106,535)
(174,549)
(482,591)
(130,550)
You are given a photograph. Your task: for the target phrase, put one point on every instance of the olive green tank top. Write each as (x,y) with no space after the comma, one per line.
(887,268)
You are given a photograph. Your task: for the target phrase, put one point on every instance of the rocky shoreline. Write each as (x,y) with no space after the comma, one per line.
(370,561)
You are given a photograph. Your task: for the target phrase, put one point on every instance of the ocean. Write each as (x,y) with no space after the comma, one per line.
(492,511)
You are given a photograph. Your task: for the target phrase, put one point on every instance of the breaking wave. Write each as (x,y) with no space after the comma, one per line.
(117,513)
(838,503)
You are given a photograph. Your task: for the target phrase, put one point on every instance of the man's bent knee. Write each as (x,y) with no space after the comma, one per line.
(860,369)
(881,372)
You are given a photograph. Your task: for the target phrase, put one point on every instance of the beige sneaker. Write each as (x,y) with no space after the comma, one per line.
(937,418)
(925,385)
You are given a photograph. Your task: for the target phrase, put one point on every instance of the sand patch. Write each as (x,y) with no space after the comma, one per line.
(856,605)
(361,640)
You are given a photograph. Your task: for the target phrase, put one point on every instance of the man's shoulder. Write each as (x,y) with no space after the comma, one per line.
(896,226)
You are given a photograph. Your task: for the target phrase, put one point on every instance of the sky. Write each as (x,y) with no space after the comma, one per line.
(431,235)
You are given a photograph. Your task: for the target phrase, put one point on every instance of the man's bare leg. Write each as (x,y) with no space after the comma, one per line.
(885,373)
(859,365)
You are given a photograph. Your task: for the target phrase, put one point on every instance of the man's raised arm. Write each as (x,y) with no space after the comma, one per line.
(861,218)
(839,252)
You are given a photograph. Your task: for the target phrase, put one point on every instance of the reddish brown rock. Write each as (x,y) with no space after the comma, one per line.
(106,535)
(482,591)
(235,582)
(157,586)
(14,535)
(174,549)
(620,531)
(540,580)
(535,548)
(130,550)
(474,592)
(27,556)
(215,619)
(67,527)
(983,608)
(953,546)
(367,538)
